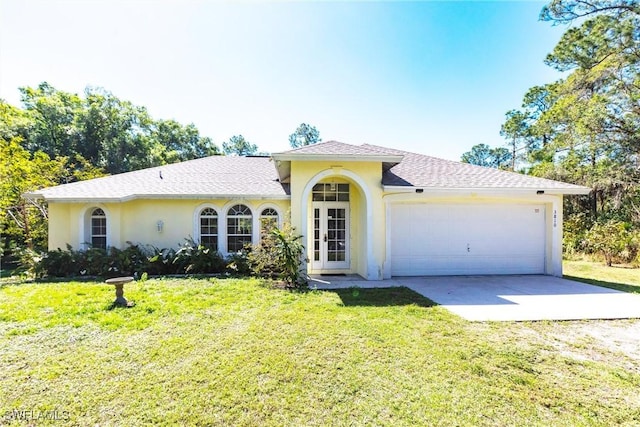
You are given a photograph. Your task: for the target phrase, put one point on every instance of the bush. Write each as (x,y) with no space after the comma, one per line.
(614,240)
(575,230)
(161,261)
(132,261)
(194,258)
(238,264)
(93,262)
(280,254)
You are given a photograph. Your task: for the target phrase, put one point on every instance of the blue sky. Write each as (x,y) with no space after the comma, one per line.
(430,77)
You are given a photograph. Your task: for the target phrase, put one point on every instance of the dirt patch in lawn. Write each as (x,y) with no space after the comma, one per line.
(614,342)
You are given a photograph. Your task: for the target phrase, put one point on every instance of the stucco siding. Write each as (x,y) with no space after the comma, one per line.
(366,206)
(137,221)
(61,228)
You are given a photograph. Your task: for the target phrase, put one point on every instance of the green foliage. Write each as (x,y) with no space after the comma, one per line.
(239,146)
(107,132)
(612,239)
(262,259)
(304,135)
(23,221)
(237,263)
(135,260)
(194,258)
(280,254)
(585,127)
(131,261)
(161,261)
(575,230)
(483,155)
(60,137)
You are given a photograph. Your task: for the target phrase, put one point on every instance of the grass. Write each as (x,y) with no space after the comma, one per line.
(625,279)
(236,352)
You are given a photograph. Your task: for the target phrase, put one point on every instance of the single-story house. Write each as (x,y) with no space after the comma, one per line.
(362,209)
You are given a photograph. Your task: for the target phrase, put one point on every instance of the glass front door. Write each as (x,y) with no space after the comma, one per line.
(330,235)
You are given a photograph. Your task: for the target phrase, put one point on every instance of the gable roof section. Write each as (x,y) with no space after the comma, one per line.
(330,150)
(333,151)
(432,173)
(214,177)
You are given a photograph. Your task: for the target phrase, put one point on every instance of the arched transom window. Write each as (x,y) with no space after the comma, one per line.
(98,229)
(209,228)
(239,227)
(268,220)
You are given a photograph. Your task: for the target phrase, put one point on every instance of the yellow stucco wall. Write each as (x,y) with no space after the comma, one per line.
(136,221)
(367,245)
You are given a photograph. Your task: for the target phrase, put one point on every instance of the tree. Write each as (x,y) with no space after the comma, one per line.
(239,146)
(53,118)
(483,155)
(585,127)
(567,11)
(304,135)
(517,131)
(108,132)
(179,143)
(59,137)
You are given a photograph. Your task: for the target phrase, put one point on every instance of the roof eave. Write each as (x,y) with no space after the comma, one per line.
(156,197)
(486,190)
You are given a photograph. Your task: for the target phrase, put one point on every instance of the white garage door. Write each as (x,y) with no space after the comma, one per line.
(467,239)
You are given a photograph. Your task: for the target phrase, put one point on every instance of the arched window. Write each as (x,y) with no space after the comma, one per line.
(209,228)
(98,229)
(268,220)
(239,228)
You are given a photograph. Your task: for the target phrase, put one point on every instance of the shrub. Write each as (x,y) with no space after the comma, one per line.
(238,263)
(161,261)
(263,260)
(575,229)
(280,254)
(612,239)
(29,262)
(132,261)
(92,262)
(194,258)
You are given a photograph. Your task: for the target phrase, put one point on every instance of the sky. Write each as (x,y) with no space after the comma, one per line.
(430,77)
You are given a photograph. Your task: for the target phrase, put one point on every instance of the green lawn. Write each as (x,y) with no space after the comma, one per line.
(235,352)
(622,278)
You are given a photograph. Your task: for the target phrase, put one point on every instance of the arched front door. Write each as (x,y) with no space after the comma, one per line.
(331,221)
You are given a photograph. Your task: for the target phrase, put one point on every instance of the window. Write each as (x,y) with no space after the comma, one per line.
(239,227)
(330,192)
(209,228)
(268,220)
(98,229)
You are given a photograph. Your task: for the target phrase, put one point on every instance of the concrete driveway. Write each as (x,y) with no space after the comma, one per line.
(510,298)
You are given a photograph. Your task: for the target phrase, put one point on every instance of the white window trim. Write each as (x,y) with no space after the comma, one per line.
(196,222)
(261,208)
(85,226)
(223,237)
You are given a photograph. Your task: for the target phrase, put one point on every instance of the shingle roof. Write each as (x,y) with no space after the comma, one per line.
(421,171)
(336,148)
(257,177)
(209,177)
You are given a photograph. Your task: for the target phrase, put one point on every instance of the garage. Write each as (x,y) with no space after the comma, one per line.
(461,239)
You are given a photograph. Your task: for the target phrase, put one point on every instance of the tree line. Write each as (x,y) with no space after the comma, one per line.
(585,127)
(58,137)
